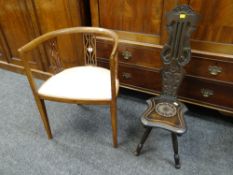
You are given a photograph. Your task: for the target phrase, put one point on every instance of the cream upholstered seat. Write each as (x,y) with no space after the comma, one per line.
(83,83)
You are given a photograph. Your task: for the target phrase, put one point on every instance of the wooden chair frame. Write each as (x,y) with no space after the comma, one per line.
(113,70)
(166,111)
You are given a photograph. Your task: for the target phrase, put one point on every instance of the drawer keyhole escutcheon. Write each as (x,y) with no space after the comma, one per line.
(207,92)
(126,75)
(215,70)
(126,55)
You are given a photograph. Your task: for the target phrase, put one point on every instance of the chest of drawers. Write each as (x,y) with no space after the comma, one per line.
(208,81)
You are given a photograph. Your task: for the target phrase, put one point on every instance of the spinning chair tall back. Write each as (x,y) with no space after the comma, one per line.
(86,84)
(166,111)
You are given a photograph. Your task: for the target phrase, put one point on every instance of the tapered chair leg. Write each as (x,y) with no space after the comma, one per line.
(44,117)
(114,123)
(144,137)
(175,148)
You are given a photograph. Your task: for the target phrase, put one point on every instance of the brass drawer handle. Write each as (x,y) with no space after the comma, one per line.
(126,75)
(207,92)
(126,55)
(215,70)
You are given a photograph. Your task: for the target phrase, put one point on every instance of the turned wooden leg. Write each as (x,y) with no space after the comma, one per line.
(144,137)
(114,123)
(175,148)
(43,113)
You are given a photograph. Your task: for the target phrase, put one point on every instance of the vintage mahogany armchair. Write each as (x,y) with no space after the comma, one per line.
(166,111)
(87,84)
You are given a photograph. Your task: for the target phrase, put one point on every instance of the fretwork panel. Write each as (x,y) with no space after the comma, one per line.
(89,49)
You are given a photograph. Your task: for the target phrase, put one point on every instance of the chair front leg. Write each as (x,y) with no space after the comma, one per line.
(114,122)
(144,138)
(43,113)
(175,148)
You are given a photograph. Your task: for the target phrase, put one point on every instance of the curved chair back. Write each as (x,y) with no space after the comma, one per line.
(89,44)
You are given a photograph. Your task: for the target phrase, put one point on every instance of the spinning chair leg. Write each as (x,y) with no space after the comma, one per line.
(44,117)
(114,123)
(175,148)
(144,137)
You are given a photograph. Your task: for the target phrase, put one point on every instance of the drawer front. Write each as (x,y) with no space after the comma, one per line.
(210,68)
(145,79)
(136,77)
(139,55)
(132,54)
(207,92)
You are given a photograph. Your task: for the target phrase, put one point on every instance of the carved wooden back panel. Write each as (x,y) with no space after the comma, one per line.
(89,44)
(54,58)
(176,53)
(88,49)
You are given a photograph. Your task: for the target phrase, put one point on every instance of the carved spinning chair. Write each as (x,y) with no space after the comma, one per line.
(166,111)
(87,84)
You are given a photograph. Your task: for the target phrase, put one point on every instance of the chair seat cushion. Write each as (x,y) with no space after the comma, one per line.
(80,83)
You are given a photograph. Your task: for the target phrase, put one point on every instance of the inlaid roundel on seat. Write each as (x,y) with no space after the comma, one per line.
(80,83)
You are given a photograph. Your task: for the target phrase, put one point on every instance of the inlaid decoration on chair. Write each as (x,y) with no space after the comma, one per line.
(166,111)
(85,84)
